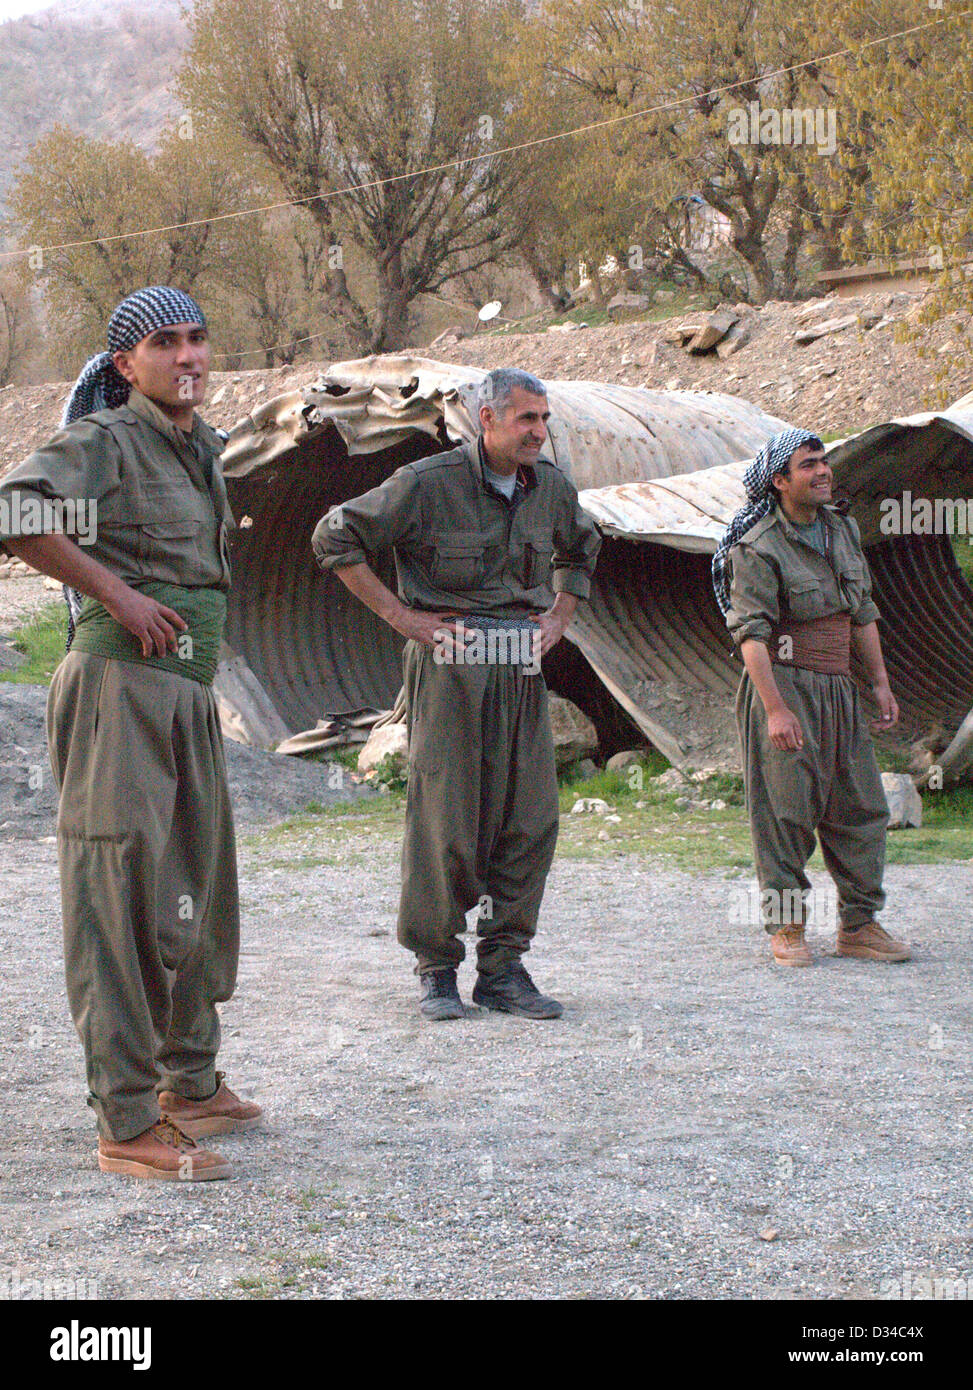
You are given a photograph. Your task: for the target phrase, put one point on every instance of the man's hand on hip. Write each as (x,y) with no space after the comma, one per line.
(554,623)
(155,625)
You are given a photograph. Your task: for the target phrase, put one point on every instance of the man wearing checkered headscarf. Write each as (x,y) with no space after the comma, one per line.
(758,482)
(792,581)
(145,831)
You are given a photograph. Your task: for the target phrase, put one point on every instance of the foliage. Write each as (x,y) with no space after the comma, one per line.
(377,120)
(42,641)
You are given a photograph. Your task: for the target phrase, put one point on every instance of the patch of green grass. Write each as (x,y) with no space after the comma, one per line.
(42,642)
(963,551)
(258,1287)
(650,824)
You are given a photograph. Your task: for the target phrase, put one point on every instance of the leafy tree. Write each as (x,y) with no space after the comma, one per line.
(369,98)
(708,67)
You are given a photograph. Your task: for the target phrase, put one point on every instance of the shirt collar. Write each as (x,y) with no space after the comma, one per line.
(201,436)
(825,514)
(526,474)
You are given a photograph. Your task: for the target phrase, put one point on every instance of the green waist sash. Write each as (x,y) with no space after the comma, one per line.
(198,648)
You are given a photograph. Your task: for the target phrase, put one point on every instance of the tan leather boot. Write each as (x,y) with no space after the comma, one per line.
(221,1113)
(162,1151)
(790,948)
(871,942)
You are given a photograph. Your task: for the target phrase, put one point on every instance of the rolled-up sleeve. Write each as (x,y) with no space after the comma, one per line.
(576,546)
(78,466)
(354,532)
(754,596)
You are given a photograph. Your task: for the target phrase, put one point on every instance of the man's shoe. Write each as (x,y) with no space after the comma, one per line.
(514,992)
(871,942)
(221,1113)
(163,1151)
(790,948)
(439,998)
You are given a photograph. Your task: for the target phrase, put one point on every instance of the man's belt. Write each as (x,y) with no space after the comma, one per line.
(819,644)
(198,648)
(496,641)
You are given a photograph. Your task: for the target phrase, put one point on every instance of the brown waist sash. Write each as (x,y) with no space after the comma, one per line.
(820,644)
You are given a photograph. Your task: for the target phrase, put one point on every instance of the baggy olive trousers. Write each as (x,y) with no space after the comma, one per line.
(832,785)
(148,881)
(482,810)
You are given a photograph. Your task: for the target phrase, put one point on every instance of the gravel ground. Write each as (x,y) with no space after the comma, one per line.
(700,1123)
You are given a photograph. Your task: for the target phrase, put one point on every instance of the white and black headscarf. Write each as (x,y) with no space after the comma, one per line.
(772,459)
(101,385)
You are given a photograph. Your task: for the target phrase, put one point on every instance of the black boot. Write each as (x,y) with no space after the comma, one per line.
(438,997)
(514,992)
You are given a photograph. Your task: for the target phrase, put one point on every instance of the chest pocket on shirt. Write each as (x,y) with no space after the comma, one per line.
(457,561)
(538,551)
(805,600)
(852,583)
(159,539)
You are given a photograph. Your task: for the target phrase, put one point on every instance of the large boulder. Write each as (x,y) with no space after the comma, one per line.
(387,740)
(574,734)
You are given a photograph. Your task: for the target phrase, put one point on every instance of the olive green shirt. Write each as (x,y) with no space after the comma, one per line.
(777,575)
(461,546)
(162,511)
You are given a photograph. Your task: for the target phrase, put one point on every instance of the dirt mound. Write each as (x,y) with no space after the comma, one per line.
(840,383)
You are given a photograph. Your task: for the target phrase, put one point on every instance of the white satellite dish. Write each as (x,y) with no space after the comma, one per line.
(490,311)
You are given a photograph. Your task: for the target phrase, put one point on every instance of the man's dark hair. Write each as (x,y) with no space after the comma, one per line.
(813,443)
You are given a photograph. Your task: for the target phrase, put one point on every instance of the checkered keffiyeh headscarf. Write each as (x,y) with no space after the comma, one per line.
(100,384)
(771,460)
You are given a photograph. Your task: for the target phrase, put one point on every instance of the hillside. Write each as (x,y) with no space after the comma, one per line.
(99,69)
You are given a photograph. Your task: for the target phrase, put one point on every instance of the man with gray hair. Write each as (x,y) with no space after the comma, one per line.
(482,535)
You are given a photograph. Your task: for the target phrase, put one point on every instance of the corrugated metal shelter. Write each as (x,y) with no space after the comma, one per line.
(661,473)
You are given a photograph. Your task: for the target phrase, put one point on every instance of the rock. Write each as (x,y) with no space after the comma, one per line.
(737,337)
(449,335)
(905,803)
(574,734)
(585,769)
(50,583)
(717,805)
(714,327)
(618,761)
(590,806)
(10,658)
(818,330)
(680,333)
(672,777)
(627,304)
(388,740)
(769,1234)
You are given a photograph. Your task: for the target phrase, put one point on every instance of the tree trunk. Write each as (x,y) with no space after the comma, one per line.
(556,299)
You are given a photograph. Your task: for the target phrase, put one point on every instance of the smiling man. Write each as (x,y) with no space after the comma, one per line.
(145,833)
(482,534)
(792,581)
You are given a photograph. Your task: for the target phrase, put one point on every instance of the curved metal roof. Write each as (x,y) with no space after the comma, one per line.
(661,472)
